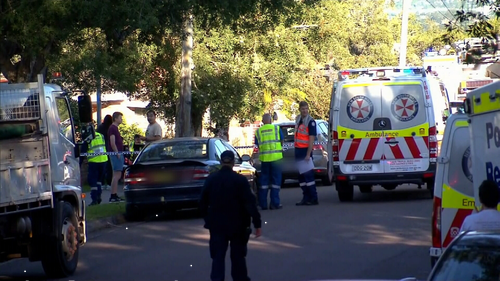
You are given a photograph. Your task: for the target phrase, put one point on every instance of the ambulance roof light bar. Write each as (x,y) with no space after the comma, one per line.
(380,72)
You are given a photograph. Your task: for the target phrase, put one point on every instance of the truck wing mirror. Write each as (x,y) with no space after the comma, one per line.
(85,108)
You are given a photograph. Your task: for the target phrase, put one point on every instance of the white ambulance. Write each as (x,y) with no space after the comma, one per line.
(471,146)
(383,129)
(453,190)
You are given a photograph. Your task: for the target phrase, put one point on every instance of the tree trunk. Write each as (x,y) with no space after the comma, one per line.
(222,131)
(197,123)
(183,119)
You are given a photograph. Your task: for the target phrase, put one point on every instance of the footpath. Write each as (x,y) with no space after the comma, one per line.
(106,222)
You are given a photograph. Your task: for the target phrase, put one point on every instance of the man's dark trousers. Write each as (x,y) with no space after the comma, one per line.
(219,242)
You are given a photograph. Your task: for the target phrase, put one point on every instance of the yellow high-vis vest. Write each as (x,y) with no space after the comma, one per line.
(97,145)
(269,141)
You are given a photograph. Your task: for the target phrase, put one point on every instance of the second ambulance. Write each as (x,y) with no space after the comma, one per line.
(469,155)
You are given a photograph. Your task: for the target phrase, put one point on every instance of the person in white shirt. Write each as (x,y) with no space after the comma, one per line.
(154,131)
(488,218)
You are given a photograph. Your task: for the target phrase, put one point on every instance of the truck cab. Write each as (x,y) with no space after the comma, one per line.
(42,208)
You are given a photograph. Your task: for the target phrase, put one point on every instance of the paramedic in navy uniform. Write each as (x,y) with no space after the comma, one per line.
(305,133)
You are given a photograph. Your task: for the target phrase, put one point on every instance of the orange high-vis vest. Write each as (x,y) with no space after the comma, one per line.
(302,136)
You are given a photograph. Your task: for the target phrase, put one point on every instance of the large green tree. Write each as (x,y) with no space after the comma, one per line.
(32,31)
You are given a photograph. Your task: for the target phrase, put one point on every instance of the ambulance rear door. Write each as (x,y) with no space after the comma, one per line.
(359,133)
(453,189)
(406,127)
(483,107)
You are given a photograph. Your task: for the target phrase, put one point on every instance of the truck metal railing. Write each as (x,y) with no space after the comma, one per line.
(22,104)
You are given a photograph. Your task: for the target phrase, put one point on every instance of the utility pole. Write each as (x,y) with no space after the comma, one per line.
(98,101)
(404,33)
(183,115)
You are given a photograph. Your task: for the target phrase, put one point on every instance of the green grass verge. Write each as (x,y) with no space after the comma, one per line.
(105,210)
(86,188)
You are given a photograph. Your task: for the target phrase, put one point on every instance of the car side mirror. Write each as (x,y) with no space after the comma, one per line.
(246,158)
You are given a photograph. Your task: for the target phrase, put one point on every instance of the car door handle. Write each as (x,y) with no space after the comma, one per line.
(392,142)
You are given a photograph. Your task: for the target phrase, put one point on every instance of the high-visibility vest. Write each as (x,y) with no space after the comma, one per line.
(269,141)
(97,145)
(302,136)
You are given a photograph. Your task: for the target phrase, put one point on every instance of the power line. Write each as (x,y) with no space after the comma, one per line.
(438,11)
(447,8)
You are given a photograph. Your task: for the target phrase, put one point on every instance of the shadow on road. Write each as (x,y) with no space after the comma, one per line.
(393,195)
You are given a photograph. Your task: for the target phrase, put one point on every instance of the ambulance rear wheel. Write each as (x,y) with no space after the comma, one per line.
(433,261)
(345,192)
(365,188)
(430,187)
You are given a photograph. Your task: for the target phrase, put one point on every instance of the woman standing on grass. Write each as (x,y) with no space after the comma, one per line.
(103,130)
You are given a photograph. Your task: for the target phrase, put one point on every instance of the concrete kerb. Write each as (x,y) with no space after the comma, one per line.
(108,222)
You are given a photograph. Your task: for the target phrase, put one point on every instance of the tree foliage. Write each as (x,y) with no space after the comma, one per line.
(250,57)
(478,19)
(129,131)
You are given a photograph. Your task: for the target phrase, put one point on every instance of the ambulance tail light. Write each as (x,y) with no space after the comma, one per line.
(433,144)
(436,223)
(335,146)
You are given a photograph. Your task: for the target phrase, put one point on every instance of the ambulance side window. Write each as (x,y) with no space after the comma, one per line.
(460,165)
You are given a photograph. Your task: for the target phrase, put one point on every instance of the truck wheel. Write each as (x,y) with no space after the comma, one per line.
(61,258)
(345,192)
(365,188)
(430,187)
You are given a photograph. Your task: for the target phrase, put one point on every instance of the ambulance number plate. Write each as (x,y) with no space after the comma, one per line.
(361,168)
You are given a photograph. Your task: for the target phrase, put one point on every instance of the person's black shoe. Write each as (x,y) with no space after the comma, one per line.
(314,202)
(262,208)
(93,203)
(302,203)
(271,207)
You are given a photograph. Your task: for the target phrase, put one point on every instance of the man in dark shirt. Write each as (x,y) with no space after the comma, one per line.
(229,206)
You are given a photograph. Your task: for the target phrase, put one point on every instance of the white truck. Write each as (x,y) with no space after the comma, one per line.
(483,108)
(42,208)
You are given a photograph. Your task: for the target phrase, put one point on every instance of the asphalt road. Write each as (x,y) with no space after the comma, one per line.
(381,235)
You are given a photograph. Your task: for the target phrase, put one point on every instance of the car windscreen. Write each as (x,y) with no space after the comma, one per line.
(174,150)
(469,262)
(289,133)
